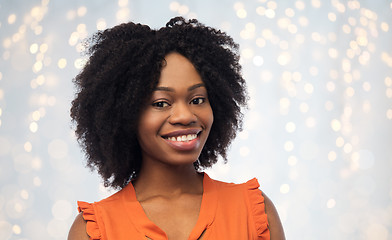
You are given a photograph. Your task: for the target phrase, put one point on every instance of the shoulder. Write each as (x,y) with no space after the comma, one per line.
(78,229)
(256,196)
(275,225)
(88,224)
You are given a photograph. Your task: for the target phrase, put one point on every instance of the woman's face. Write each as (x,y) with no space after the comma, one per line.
(175,123)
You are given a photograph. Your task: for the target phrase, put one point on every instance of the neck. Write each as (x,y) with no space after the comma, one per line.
(167,180)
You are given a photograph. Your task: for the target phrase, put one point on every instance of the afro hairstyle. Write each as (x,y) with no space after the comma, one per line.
(120,75)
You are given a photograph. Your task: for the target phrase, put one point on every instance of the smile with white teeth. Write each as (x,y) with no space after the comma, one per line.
(183,138)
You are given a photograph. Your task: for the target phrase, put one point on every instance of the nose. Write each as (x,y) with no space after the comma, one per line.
(182,114)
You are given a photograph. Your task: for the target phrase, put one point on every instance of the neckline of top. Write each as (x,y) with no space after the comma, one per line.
(148,228)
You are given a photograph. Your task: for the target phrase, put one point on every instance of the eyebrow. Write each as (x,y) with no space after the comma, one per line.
(169,89)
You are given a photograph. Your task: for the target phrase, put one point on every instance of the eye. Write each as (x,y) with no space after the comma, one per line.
(160,104)
(199,100)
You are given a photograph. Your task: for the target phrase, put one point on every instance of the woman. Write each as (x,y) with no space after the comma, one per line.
(153,108)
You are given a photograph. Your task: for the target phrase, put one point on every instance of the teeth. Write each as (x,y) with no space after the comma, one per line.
(183,138)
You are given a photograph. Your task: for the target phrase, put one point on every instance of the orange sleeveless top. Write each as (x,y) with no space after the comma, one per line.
(228,211)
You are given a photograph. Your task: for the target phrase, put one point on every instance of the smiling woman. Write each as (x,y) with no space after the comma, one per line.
(175,124)
(153,108)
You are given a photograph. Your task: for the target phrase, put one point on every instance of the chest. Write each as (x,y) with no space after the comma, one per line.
(176,217)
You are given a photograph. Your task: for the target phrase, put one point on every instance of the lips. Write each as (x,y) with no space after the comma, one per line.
(183,140)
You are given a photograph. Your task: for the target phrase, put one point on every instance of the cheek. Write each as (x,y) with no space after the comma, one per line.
(144,126)
(146,135)
(150,123)
(208,117)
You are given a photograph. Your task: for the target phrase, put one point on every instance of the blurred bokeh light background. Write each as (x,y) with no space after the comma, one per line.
(317,134)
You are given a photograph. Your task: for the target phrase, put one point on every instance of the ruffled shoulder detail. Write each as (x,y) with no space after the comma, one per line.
(258,208)
(92,227)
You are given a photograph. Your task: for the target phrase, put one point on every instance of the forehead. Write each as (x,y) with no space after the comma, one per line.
(178,70)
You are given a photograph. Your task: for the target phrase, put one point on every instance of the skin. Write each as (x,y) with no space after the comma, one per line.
(168,186)
(275,225)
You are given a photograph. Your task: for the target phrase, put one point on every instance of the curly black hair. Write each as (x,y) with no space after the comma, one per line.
(123,69)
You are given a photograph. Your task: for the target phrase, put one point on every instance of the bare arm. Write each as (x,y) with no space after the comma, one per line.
(78,229)
(275,225)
